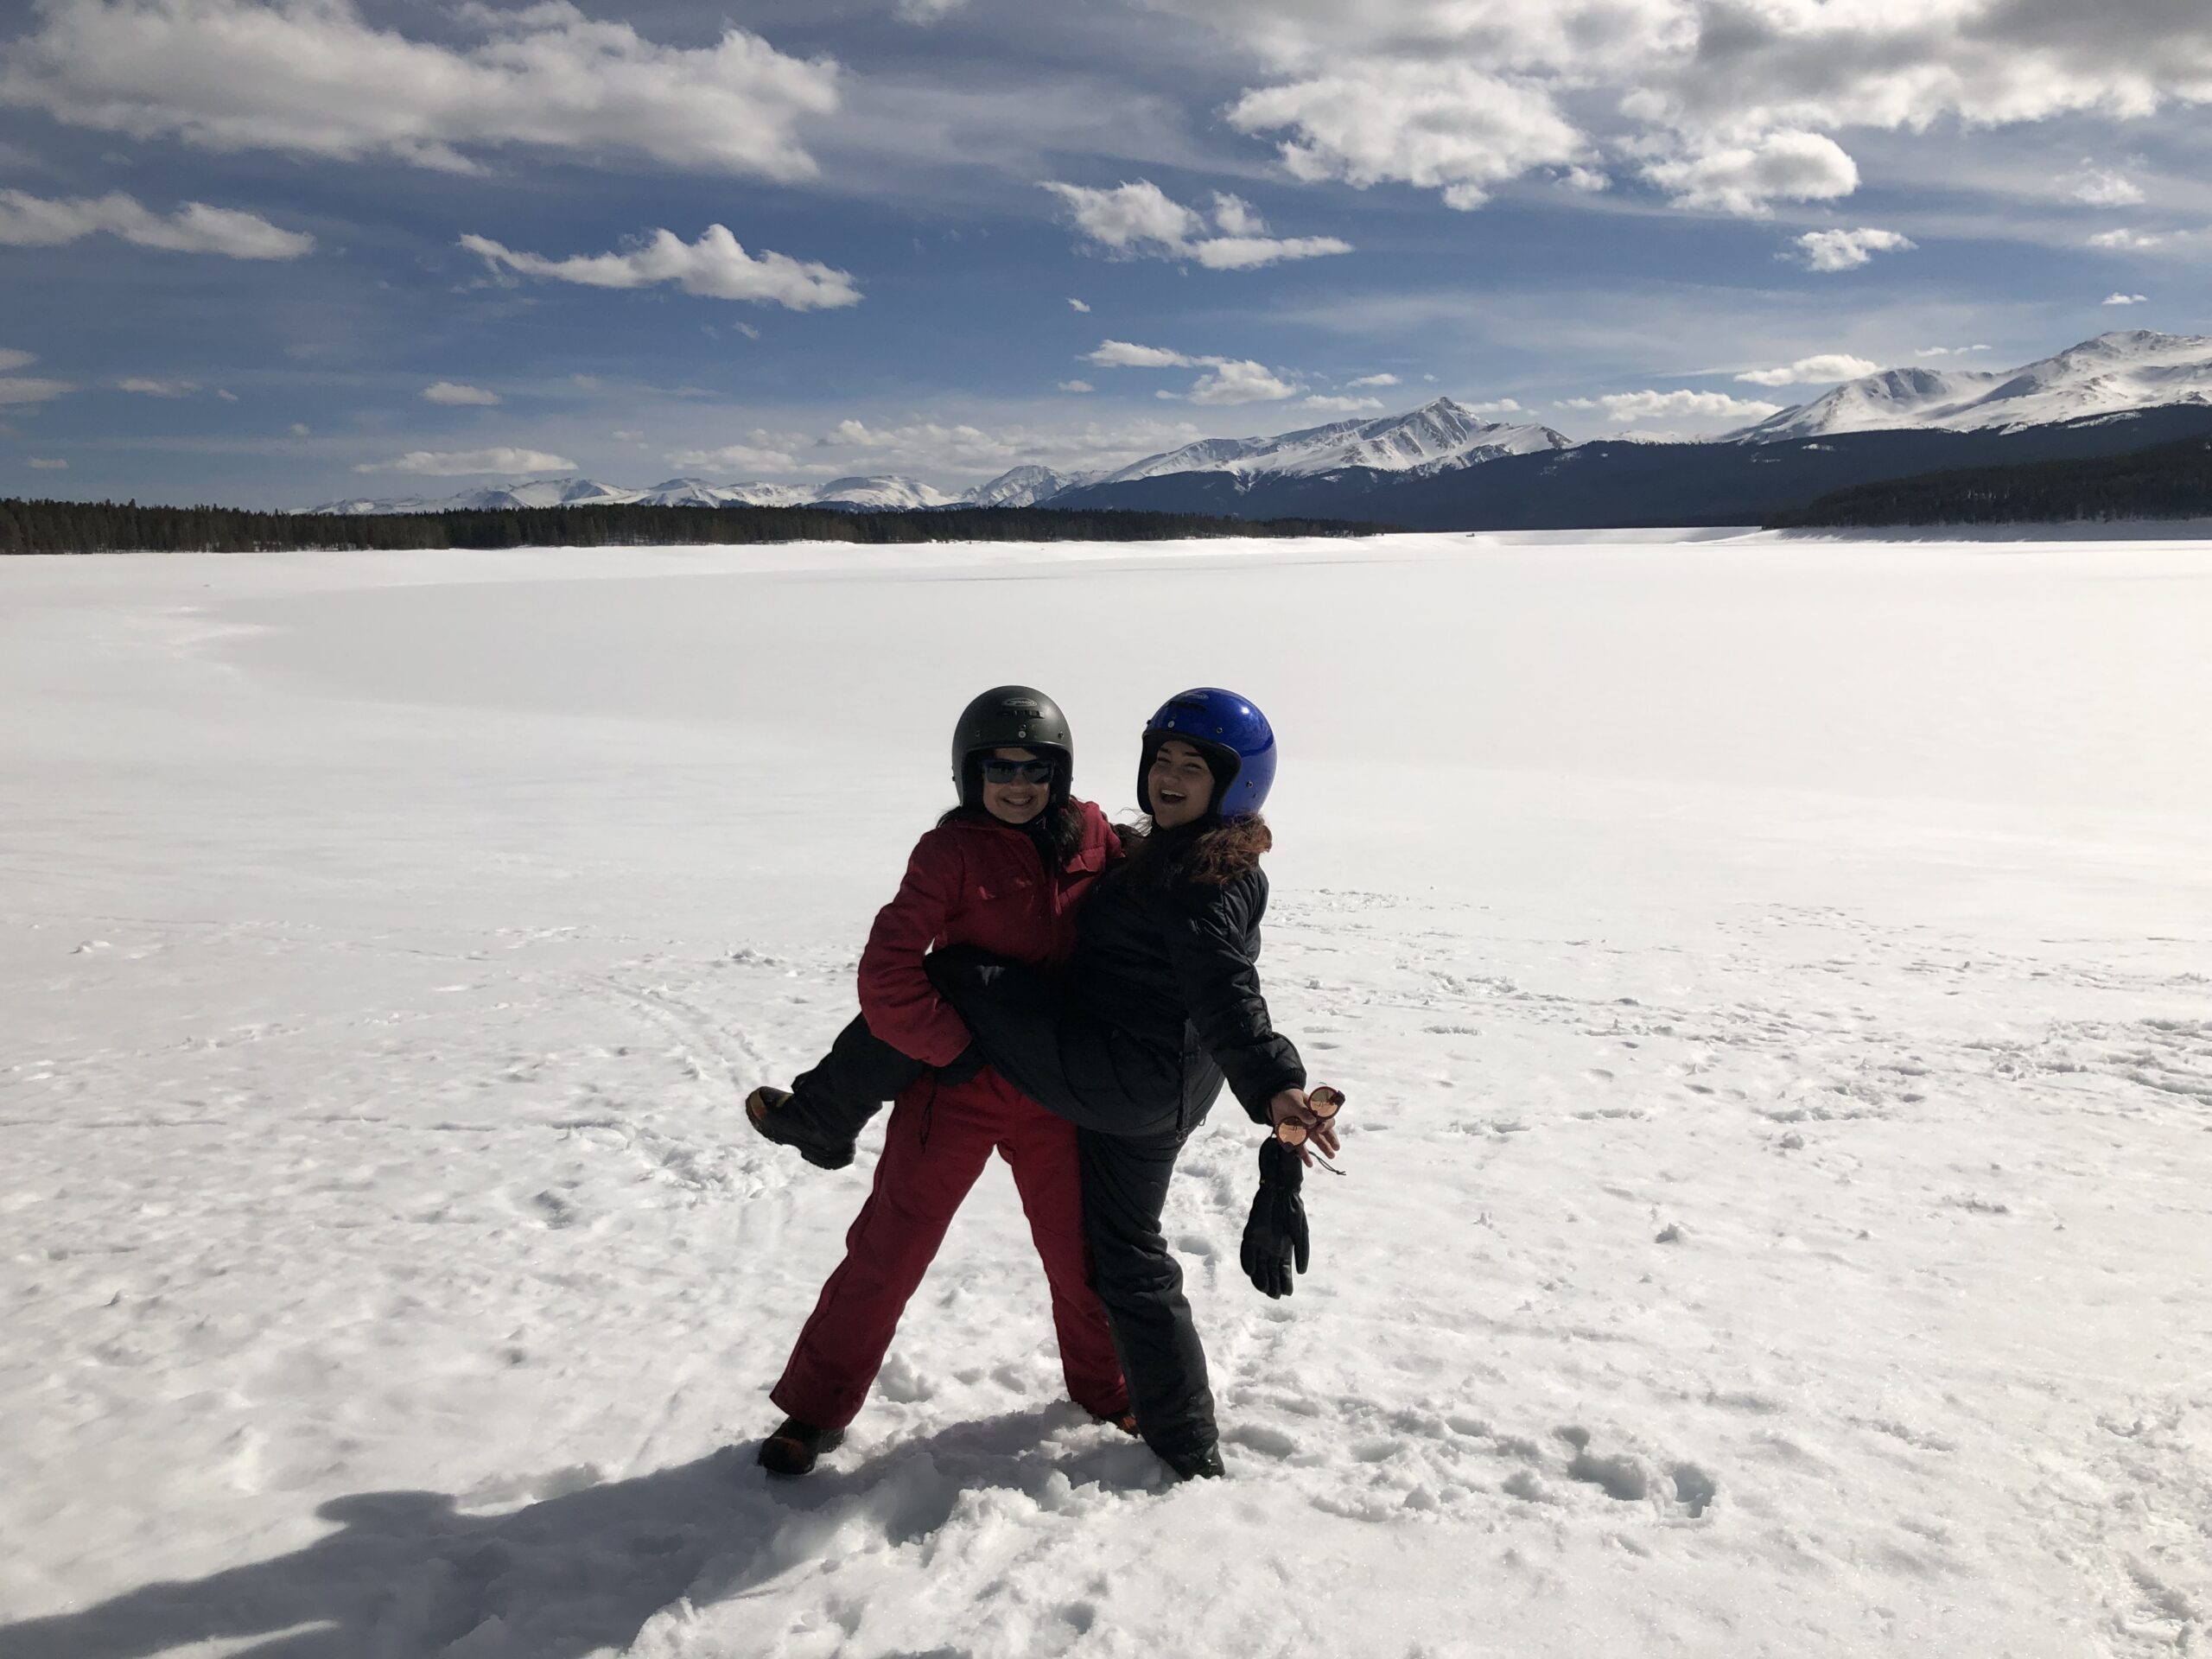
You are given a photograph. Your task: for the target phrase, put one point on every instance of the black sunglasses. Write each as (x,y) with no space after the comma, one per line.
(996,770)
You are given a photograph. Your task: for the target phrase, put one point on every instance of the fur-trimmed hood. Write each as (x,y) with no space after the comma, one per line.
(1213,852)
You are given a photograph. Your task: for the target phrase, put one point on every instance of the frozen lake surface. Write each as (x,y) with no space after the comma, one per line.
(387,942)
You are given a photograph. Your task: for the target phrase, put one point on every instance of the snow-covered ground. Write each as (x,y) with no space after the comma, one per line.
(1773,981)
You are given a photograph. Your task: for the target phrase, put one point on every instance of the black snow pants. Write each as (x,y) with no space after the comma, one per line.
(1125,1103)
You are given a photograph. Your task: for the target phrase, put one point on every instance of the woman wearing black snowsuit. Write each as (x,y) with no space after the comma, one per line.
(1160,1003)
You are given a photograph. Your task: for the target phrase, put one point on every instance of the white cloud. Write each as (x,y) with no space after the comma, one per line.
(1079,305)
(762,454)
(1142,221)
(1833,250)
(44,464)
(1077,385)
(1372,380)
(1947,351)
(1440,124)
(1823,369)
(468,463)
(1748,179)
(2103,188)
(623,436)
(17,389)
(1237,217)
(226,395)
(1497,406)
(312,77)
(1342,405)
(925,12)
(1626,407)
(28,221)
(716,266)
(453,394)
(1238,381)
(1467,94)
(2126,241)
(2126,299)
(1230,380)
(158,388)
(302,430)
(1123,354)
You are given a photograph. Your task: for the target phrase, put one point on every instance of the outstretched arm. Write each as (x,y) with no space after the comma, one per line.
(1220,983)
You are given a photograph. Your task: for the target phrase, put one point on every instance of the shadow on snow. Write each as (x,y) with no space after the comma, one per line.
(410,1573)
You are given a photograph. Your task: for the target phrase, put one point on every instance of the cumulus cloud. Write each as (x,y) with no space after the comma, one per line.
(454,395)
(1626,407)
(1079,305)
(1947,351)
(1497,406)
(1845,250)
(1727,95)
(312,77)
(49,464)
(28,221)
(302,430)
(1077,385)
(19,389)
(1238,381)
(1444,125)
(716,266)
(1140,220)
(146,388)
(468,463)
(761,454)
(1748,179)
(1343,405)
(2126,299)
(1125,354)
(1824,369)
(1372,380)
(1230,380)
(2126,241)
(2103,188)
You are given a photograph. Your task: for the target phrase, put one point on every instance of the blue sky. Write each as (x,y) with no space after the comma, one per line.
(232,263)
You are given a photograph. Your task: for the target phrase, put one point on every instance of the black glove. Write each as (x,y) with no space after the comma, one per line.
(1275,1235)
(971,1060)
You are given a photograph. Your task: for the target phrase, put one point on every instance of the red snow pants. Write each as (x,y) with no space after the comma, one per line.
(933,1149)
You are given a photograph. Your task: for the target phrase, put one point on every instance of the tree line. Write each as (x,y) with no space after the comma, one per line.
(31,526)
(2170,480)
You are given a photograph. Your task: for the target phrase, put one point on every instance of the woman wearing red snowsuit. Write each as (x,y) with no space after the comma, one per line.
(1012,889)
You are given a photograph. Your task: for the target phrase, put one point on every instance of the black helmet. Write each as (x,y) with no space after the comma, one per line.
(1011,717)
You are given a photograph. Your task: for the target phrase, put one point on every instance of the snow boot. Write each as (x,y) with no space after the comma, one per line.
(794,1449)
(1201,1465)
(1125,1419)
(771,1112)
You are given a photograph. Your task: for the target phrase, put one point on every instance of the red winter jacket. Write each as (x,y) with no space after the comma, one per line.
(971,881)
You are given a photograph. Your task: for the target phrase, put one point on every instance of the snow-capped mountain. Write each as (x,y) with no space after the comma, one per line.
(855,493)
(1439,436)
(881,494)
(2110,375)
(1025,487)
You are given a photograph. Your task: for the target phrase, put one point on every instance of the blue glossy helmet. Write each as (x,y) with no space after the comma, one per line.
(1234,737)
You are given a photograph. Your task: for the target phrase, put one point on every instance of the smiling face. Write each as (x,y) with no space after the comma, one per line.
(1017,802)
(1179,784)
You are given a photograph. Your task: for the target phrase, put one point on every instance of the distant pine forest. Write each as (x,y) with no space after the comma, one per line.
(28,526)
(2171,480)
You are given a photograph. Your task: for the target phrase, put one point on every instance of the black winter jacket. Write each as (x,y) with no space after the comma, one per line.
(1165,953)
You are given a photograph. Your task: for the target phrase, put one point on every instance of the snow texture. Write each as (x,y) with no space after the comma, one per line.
(2109,375)
(1773,983)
